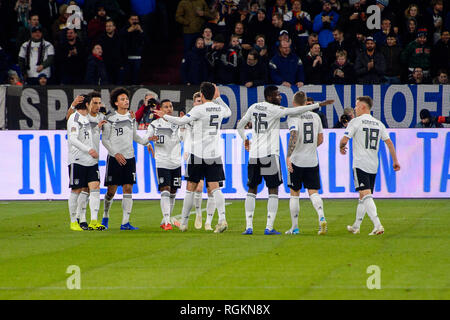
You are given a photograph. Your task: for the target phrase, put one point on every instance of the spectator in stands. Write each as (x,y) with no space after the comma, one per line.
(239,31)
(144,115)
(24,32)
(324,24)
(316,69)
(441,78)
(410,33)
(387,13)
(342,71)
(440,54)
(47,11)
(230,60)
(13,78)
(434,20)
(286,68)
(61,23)
(114,53)
(253,12)
(359,44)
(339,44)
(23,8)
(418,53)
(35,57)
(313,38)
(381,36)
(96,70)
(354,19)
(71,59)
(417,77)
(97,25)
(192,14)
(301,22)
(413,11)
(260,25)
(3,66)
(427,121)
(260,47)
(133,40)
(214,56)
(207,38)
(253,73)
(346,117)
(42,79)
(281,7)
(322,115)
(391,52)
(278,25)
(194,68)
(284,36)
(370,66)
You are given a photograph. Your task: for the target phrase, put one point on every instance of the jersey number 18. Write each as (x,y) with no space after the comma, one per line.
(371,138)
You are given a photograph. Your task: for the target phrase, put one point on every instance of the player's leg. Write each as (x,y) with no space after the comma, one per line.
(188,202)
(81,207)
(94,205)
(73,203)
(295,184)
(272,175)
(360,213)
(165,207)
(173,194)
(371,208)
(294,208)
(198,205)
(128,178)
(111,183)
(254,179)
(210,209)
(317,203)
(219,199)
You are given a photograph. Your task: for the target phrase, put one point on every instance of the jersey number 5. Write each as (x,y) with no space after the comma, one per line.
(214,124)
(371,138)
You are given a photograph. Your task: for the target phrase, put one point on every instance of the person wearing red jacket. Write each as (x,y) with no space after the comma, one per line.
(144,115)
(97,25)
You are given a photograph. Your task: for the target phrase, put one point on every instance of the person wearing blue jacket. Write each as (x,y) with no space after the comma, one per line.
(194,68)
(286,68)
(324,24)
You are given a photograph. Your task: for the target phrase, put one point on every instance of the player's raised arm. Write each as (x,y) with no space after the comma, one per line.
(297,111)
(76,101)
(176,120)
(218,99)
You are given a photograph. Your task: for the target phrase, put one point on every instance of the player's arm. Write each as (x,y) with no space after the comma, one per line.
(343,145)
(241,129)
(106,138)
(291,146)
(75,102)
(136,137)
(348,134)
(150,135)
(320,133)
(74,130)
(390,145)
(299,110)
(218,100)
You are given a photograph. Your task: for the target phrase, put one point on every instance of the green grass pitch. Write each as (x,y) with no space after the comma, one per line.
(413,255)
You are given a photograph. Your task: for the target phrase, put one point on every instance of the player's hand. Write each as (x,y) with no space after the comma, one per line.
(132,114)
(93,153)
(154,138)
(159,113)
(326,102)
(396,166)
(217,92)
(343,150)
(247,145)
(286,84)
(185,156)
(77,100)
(289,164)
(120,159)
(299,84)
(150,149)
(101,123)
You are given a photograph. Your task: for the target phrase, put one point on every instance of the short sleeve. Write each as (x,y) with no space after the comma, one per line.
(292,123)
(319,121)
(384,133)
(351,128)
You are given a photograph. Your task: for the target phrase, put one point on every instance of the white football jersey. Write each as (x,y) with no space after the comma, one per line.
(265,118)
(94,121)
(119,133)
(366,132)
(187,138)
(206,120)
(80,140)
(167,147)
(308,126)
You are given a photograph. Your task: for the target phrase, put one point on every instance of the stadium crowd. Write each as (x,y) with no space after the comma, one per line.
(246,42)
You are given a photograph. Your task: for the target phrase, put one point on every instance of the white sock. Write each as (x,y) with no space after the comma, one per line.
(250,209)
(73,203)
(371,209)
(360,213)
(317,203)
(165,206)
(272,208)
(81,206)
(127,205)
(198,203)
(107,205)
(94,203)
(172,202)
(187,206)
(220,204)
(210,209)
(294,207)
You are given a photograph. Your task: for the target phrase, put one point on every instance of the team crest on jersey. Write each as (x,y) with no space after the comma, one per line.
(76,181)
(161,180)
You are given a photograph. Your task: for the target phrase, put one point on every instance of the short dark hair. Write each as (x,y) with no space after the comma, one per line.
(116,93)
(254,53)
(208,90)
(164,100)
(367,100)
(269,91)
(91,95)
(110,20)
(309,99)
